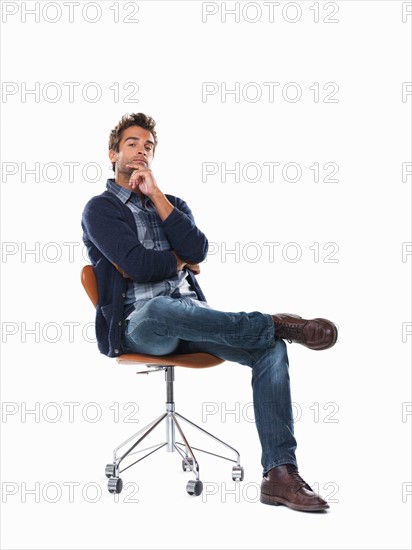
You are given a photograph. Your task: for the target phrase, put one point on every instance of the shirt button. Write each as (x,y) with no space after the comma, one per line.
(123,295)
(116,351)
(119,323)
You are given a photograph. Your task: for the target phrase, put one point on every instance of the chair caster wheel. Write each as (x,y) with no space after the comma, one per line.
(115,485)
(238,473)
(194,487)
(187,464)
(109,470)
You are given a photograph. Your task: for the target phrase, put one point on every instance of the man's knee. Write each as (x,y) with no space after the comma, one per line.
(280,355)
(274,358)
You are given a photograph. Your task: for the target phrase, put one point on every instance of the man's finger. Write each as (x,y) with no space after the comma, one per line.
(195,268)
(140,167)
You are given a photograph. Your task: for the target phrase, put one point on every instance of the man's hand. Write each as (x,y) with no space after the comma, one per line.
(194,268)
(142,179)
(181,264)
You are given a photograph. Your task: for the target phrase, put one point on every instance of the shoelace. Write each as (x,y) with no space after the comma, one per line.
(296,330)
(294,473)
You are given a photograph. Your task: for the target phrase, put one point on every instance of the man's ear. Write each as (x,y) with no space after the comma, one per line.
(112,155)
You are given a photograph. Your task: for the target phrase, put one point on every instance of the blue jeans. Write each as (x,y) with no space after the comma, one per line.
(166,325)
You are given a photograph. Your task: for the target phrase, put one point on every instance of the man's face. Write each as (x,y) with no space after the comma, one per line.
(136,145)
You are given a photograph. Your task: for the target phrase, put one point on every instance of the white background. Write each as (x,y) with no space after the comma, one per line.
(351,402)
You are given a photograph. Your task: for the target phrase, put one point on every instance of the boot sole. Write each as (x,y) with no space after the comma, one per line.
(266,499)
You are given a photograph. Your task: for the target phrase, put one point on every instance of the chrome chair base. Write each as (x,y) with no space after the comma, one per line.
(185,450)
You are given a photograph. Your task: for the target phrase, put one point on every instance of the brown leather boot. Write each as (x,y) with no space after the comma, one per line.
(283,485)
(317,334)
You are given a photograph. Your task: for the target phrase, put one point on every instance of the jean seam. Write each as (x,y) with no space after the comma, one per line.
(271,331)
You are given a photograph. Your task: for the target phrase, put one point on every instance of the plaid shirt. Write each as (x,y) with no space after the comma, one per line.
(151,236)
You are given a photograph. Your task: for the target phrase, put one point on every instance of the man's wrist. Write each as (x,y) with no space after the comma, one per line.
(156,194)
(163,206)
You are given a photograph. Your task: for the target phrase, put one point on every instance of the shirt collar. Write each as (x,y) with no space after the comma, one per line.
(125,195)
(120,192)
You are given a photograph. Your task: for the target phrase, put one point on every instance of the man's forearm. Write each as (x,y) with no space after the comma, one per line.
(163,206)
(184,237)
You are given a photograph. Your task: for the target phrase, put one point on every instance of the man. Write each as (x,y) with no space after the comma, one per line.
(146,249)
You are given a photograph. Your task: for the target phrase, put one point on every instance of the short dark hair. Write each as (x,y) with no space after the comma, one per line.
(133,119)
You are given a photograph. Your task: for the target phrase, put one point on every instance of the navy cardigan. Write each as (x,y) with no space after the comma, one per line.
(110,235)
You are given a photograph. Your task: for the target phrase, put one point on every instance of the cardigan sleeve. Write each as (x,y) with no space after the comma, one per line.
(189,243)
(105,224)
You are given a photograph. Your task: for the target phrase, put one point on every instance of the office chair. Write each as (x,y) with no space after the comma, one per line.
(172,418)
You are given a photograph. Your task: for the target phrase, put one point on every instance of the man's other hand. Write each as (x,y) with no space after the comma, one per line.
(181,264)
(194,268)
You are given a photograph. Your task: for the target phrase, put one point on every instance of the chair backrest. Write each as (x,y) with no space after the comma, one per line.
(89,283)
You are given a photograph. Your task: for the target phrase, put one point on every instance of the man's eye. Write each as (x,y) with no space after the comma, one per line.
(148,148)
(132,144)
